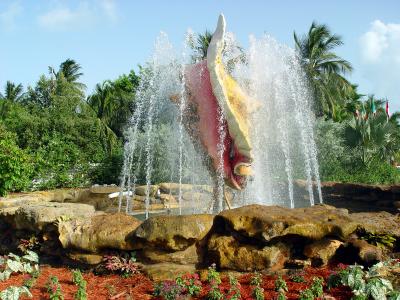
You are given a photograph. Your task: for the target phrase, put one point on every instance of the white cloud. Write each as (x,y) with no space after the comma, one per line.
(84,15)
(7,17)
(380,53)
(109,9)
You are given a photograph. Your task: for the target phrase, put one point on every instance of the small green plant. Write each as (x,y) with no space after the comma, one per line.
(281,296)
(381,240)
(30,282)
(298,279)
(394,295)
(79,281)
(234,289)
(306,294)
(214,280)
(189,283)
(280,285)
(15,264)
(366,284)
(54,289)
(317,286)
(258,291)
(14,292)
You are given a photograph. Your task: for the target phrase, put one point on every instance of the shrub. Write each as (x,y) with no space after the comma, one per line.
(15,166)
(54,289)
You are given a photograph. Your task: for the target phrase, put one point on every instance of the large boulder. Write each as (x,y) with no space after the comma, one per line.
(36,217)
(167,271)
(228,253)
(378,222)
(15,200)
(106,231)
(184,257)
(322,251)
(265,223)
(172,233)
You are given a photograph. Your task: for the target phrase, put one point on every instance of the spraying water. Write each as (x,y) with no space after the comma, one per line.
(158,147)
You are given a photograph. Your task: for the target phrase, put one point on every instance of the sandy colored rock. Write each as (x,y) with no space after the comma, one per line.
(104,189)
(184,257)
(322,251)
(35,217)
(378,222)
(172,232)
(85,258)
(367,253)
(106,231)
(227,253)
(168,200)
(197,197)
(167,271)
(267,222)
(14,200)
(142,189)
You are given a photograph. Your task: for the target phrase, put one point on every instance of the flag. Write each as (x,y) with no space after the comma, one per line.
(387,110)
(373,107)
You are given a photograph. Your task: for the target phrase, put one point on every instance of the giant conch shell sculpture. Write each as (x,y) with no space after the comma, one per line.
(211,90)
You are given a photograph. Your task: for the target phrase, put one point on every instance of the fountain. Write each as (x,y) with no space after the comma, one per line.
(239,121)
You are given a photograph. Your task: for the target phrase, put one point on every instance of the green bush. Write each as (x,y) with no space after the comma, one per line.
(15,166)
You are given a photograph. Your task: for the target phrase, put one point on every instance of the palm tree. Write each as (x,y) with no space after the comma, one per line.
(200,46)
(375,137)
(324,69)
(70,70)
(12,92)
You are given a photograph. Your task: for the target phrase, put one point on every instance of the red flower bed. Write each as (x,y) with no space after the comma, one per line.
(140,287)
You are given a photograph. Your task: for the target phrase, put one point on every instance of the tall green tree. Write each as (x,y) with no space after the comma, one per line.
(71,71)
(12,92)
(324,68)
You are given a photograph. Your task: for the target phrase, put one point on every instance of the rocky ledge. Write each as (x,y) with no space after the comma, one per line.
(253,237)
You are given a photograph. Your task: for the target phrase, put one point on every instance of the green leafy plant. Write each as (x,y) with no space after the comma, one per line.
(15,168)
(317,286)
(258,291)
(306,294)
(30,282)
(78,280)
(234,289)
(379,239)
(366,284)
(281,296)
(189,283)
(280,285)
(214,279)
(298,279)
(14,292)
(15,264)
(54,289)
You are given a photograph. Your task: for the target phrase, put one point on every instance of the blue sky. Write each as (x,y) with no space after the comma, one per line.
(111,37)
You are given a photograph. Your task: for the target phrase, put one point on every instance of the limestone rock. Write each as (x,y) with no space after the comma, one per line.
(168,199)
(322,251)
(23,199)
(227,253)
(184,257)
(104,189)
(173,188)
(197,197)
(141,190)
(36,216)
(106,231)
(267,222)
(367,253)
(378,222)
(85,258)
(166,271)
(172,232)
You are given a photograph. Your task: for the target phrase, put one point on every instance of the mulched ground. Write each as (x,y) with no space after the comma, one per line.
(140,287)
